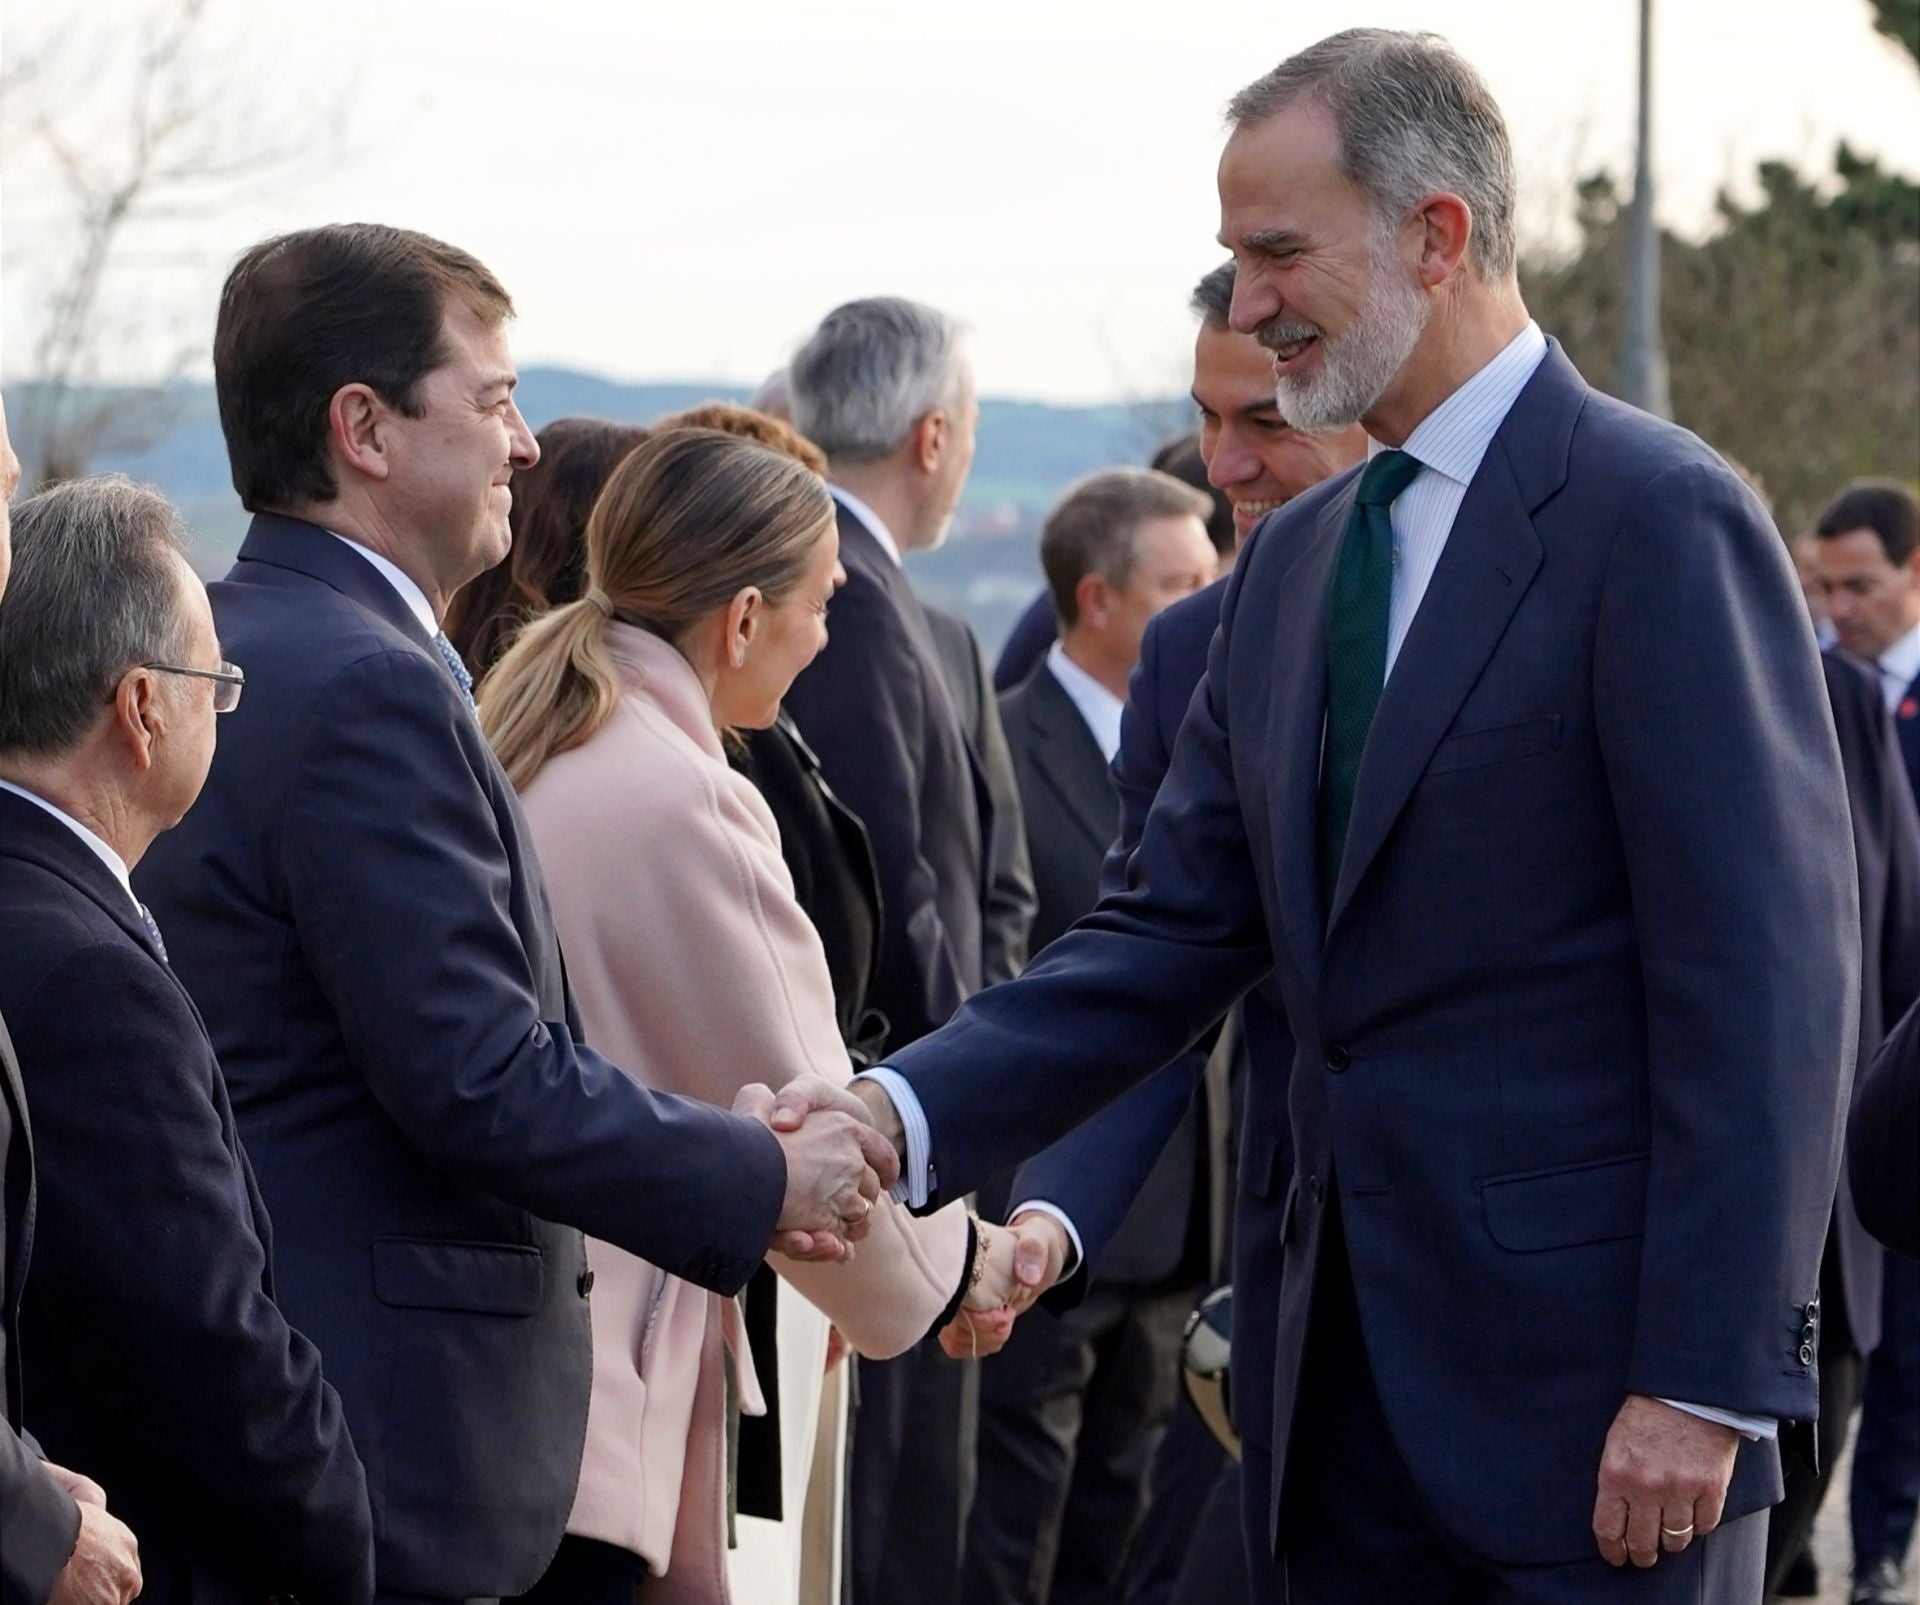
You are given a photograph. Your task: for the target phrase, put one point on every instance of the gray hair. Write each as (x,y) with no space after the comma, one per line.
(95,591)
(870,372)
(1413,119)
(1091,529)
(1212,297)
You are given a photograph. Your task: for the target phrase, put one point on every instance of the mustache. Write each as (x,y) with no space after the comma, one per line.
(1275,333)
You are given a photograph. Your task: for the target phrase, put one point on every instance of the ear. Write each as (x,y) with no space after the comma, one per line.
(1094,597)
(1446,226)
(928,443)
(137,717)
(356,420)
(743,623)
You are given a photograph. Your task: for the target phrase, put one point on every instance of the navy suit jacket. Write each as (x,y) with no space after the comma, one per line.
(161,1365)
(38,1522)
(1886,844)
(1575,1026)
(355,905)
(876,708)
(1883,1135)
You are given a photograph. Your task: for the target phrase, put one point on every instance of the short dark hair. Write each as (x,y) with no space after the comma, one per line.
(1885,506)
(95,591)
(1091,529)
(1181,458)
(547,565)
(1212,297)
(302,315)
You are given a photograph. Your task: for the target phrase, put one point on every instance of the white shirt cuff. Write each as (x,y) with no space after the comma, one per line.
(1761,1429)
(1033,1206)
(916,1174)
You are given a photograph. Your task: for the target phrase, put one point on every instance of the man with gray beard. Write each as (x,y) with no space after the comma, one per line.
(1513,769)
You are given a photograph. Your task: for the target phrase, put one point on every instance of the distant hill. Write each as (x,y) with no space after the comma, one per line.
(1027,453)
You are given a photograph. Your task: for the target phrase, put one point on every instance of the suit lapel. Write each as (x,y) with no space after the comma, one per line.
(1491,557)
(1066,753)
(297,547)
(1906,723)
(1297,724)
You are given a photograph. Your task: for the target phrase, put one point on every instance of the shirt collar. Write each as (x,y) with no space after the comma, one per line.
(1452,439)
(1900,663)
(397,577)
(869,518)
(1098,706)
(95,843)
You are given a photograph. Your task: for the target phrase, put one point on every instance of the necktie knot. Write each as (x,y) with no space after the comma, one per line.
(456,666)
(1386,475)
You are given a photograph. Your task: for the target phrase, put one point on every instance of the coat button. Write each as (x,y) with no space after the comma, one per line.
(1809,1332)
(1806,1354)
(1338,1059)
(1315,1190)
(586,1283)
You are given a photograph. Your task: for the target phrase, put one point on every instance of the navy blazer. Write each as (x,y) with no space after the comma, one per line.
(1886,845)
(876,708)
(38,1522)
(355,905)
(161,1365)
(1883,1135)
(1574,1028)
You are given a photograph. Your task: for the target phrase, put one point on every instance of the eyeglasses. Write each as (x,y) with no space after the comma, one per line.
(228,682)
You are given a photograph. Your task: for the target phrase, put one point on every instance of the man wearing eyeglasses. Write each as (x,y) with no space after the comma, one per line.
(160,1362)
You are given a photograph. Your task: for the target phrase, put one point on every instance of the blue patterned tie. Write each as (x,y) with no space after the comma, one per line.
(455,666)
(1359,606)
(153,933)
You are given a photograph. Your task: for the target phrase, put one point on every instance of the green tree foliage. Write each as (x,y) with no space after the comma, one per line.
(1899,20)
(1792,331)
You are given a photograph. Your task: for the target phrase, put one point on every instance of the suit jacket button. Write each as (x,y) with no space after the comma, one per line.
(1315,1190)
(1806,1354)
(1338,1059)
(1809,1332)
(586,1283)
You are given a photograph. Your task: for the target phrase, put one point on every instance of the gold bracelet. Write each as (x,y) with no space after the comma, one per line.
(978,1268)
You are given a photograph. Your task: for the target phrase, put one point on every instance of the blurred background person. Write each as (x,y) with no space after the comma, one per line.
(1071,1411)
(885,388)
(711,562)
(545,566)
(1869,553)
(57,1540)
(161,1362)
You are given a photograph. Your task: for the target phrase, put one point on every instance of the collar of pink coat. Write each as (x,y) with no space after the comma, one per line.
(655,671)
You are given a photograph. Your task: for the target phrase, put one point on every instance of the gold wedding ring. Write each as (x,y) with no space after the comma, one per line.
(1679,1532)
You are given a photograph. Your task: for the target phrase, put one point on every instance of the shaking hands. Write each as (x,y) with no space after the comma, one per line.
(837,1165)
(1023,1260)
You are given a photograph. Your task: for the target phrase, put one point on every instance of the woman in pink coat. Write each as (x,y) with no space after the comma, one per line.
(710,563)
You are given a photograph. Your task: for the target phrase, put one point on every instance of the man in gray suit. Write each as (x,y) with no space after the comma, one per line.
(1071,1411)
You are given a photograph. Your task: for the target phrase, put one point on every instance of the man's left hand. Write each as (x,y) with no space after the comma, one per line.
(1663,1481)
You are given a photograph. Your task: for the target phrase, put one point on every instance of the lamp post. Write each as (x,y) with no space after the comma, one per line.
(1643,359)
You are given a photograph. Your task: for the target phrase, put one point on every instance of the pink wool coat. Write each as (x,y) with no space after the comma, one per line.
(691,959)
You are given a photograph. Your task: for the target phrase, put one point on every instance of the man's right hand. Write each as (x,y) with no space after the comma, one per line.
(837,1165)
(104,1568)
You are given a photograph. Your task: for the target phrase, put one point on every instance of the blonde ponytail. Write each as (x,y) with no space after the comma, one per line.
(554,688)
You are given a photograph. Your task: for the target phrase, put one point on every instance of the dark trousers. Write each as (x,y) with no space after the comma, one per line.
(1071,1412)
(1186,1472)
(1886,1449)
(914,1426)
(1353,1531)
(587,1572)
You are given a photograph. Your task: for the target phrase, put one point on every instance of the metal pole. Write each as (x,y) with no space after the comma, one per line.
(1643,359)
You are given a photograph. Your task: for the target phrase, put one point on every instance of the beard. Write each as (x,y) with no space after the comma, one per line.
(1357,365)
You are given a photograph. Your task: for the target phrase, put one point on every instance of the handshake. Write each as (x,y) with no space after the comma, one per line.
(843,1148)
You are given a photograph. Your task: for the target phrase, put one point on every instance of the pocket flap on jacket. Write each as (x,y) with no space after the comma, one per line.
(426,1273)
(1595,1202)
(1469,749)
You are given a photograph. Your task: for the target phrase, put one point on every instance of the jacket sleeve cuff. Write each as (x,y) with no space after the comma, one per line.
(1760,1429)
(1077,1254)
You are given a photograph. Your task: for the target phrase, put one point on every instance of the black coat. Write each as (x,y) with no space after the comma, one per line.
(161,1365)
(355,905)
(37,1521)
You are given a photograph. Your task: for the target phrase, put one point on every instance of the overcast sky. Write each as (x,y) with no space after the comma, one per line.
(673,189)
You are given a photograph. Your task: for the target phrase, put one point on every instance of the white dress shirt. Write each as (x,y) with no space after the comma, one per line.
(399,579)
(95,844)
(1099,707)
(1449,444)
(869,519)
(1899,667)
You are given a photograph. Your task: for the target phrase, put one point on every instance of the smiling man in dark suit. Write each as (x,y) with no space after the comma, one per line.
(160,1360)
(357,910)
(1071,1411)
(1570,1055)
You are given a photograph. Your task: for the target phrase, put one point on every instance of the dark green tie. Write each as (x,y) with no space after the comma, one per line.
(1358,605)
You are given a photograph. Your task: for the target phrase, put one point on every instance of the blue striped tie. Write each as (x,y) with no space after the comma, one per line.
(153,933)
(455,666)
